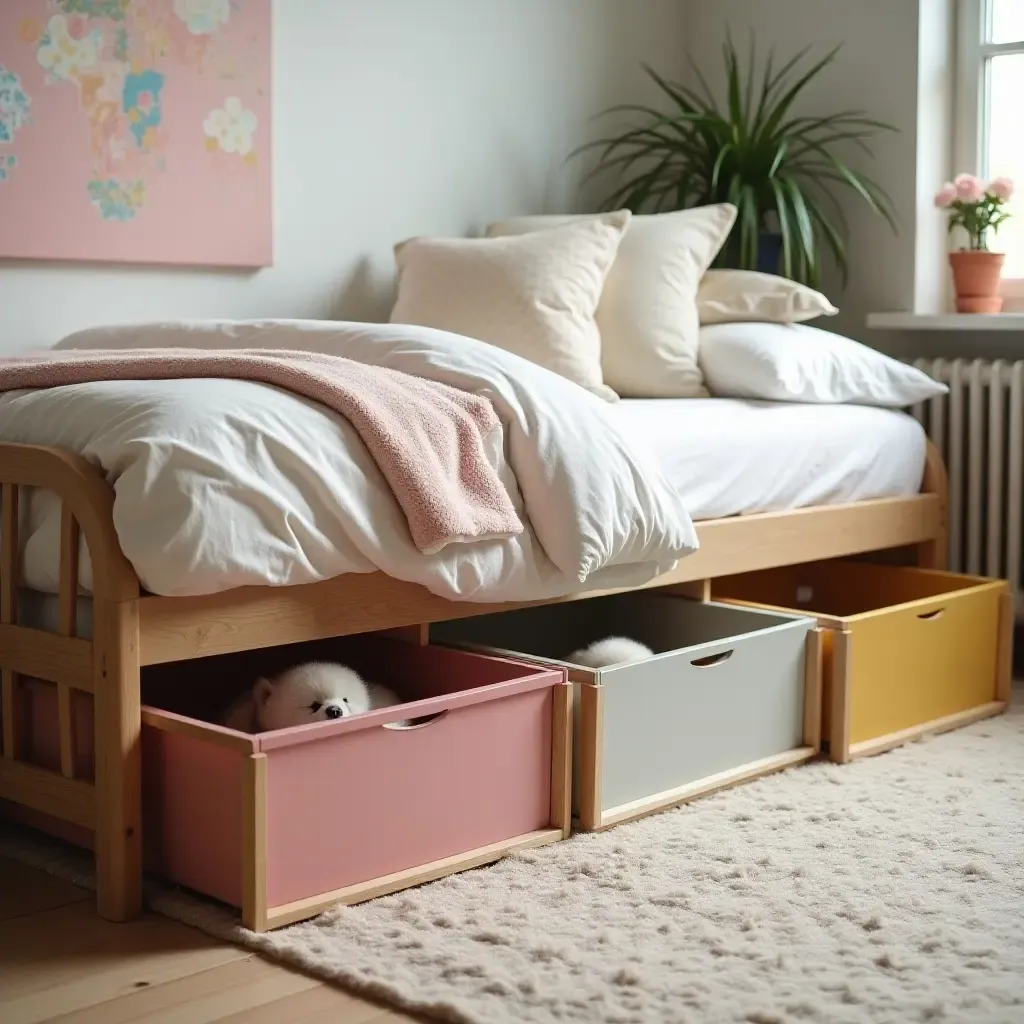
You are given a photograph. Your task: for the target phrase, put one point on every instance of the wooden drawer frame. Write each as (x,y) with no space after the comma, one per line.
(589,716)
(593,818)
(837,717)
(259,915)
(238,767)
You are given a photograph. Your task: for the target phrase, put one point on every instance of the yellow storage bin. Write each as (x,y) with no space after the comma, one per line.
(907,651)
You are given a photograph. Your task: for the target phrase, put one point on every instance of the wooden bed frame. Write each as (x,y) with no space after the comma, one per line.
(132,629)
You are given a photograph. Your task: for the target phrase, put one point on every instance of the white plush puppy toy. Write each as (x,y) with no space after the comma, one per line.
(317,691)
(612,650)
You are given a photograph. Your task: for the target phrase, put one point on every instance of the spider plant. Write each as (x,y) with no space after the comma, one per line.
(781,171)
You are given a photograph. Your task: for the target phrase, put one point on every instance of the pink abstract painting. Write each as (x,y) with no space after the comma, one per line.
(136,130)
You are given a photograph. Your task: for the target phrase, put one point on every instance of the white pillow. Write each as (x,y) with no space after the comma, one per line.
(648,312)
(796,363)
(535,296)
(728,296)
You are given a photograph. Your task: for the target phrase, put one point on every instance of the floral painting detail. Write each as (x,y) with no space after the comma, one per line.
(7,164)
(14,104)
(115,10)
(230,128)
(103,85)
(14,115)
(148,133)
(29,30)
(203,17)
(65,55)
(117,200)
(142,104)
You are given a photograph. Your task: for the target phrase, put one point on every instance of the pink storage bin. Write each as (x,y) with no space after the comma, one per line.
(284,824)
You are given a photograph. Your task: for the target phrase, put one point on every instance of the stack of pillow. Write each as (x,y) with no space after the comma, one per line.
(625,306)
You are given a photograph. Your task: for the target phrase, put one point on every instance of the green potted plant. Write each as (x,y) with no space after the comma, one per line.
(778,169)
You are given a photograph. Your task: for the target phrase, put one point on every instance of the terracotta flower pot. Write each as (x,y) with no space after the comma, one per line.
(976,275)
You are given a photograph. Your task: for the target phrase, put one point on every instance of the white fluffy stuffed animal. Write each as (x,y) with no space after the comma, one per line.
(612,650)
(314,692)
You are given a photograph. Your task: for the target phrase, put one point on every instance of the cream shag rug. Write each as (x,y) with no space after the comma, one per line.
(889,890)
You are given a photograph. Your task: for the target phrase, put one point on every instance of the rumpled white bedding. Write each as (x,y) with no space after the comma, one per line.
(221,484)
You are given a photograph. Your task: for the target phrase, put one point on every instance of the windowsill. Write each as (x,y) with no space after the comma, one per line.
(947,321)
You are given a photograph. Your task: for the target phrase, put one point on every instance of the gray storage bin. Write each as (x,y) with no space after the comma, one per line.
(730,694)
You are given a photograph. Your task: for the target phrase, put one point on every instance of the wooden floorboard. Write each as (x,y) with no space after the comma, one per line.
(319,1005)
(27,891)
(60,962)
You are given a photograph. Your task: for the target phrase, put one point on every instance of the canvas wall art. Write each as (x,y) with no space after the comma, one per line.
(136,130)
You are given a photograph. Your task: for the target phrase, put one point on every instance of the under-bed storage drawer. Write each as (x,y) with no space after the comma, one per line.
(729,695)
(907,651)
(283,824)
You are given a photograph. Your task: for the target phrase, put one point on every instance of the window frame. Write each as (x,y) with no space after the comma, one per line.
(971,128)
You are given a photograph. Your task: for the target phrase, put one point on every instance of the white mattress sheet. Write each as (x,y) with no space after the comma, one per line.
(729,457)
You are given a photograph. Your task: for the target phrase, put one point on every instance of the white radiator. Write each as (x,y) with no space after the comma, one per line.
(979,430)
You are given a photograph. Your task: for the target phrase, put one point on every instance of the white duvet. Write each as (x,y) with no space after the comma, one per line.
(221,484)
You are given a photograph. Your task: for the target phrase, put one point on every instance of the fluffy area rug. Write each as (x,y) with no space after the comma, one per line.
(889,890)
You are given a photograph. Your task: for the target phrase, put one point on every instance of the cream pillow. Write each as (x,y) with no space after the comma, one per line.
(730,296)
(648,312)
(535,296)
(798,363)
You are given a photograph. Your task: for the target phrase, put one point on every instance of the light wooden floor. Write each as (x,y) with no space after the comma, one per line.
(60,962)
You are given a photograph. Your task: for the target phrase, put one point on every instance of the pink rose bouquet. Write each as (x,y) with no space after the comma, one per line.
(976,207)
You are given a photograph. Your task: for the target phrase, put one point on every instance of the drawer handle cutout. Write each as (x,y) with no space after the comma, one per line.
(932,616)
(711,660)
(417,723)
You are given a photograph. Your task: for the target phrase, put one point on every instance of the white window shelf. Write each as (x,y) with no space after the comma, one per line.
(947,321)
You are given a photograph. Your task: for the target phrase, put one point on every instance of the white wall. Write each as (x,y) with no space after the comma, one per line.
(877,71)
(936,95)
(392,118)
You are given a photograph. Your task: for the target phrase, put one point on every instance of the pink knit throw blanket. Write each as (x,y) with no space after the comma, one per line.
(426,438)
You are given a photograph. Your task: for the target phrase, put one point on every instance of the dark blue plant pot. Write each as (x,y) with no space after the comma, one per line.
(769,252)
